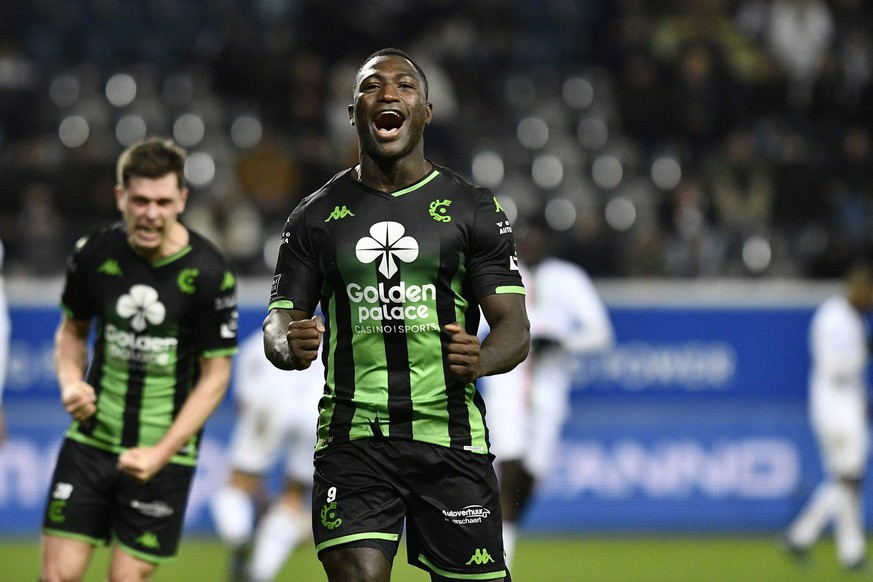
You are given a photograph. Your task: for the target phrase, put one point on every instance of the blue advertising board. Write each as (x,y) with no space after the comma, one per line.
(695,421)
(703,352)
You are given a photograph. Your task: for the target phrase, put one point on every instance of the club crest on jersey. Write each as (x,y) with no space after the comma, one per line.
(186,280)
(439,210)
(387,243)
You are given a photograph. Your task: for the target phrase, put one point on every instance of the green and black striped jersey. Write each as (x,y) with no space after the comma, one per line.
(153,322)
(390,270)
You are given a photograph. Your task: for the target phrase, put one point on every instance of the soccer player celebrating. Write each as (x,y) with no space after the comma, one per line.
(163,303)
(401,254)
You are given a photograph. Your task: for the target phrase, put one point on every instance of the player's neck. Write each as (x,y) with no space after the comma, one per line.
(393,175)
(177,239)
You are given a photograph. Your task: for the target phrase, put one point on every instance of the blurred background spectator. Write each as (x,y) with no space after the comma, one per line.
(683,138)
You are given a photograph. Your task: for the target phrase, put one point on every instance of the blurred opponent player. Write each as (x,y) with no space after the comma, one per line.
(838,342)
(527,406)
(5,332)
(278,411)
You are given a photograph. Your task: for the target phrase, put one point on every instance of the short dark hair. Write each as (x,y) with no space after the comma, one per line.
(151,158)
(397,53)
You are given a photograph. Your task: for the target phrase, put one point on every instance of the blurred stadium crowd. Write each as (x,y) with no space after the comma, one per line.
(684,139)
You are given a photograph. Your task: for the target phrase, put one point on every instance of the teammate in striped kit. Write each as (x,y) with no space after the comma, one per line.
(163,303)
(401,254)
(528,406)
(838,408)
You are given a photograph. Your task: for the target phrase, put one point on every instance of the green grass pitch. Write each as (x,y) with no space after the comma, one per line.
(655,558)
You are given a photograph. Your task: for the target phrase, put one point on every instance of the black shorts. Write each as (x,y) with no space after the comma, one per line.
(91,500)
(364,489)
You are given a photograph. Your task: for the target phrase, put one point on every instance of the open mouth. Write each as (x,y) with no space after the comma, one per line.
(388,124)
(148,232)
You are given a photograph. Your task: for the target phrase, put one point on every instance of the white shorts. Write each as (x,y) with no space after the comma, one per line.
(843,436)
(525,410)
(278,422)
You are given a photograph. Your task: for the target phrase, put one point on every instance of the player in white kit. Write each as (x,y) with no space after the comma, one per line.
(838,341)
(277,416)
(526,408)
(5,333)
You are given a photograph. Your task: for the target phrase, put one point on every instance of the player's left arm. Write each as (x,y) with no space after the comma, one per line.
(505,346)
(492,266)
(144,462)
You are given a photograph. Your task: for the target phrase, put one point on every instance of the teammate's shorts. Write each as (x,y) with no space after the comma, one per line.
(364,489)
(91,500)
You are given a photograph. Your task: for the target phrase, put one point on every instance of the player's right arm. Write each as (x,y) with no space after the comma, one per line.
(291,335)
(71,361)
(292,338)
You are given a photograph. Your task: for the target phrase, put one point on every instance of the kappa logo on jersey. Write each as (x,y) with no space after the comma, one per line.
(497,206)
(141,305)
(110,267)
(387,243)
(339,212)
(439,209)
(148,540)
(228,281)
(479,557)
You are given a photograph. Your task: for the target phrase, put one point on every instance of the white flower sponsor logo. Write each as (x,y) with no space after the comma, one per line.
(142,306)
(405,306)
(388,244)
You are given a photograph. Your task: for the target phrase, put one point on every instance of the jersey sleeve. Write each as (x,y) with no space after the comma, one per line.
(570,311)
(218,317)
(75,298)
(297,280)
(492,264)
(839,345)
